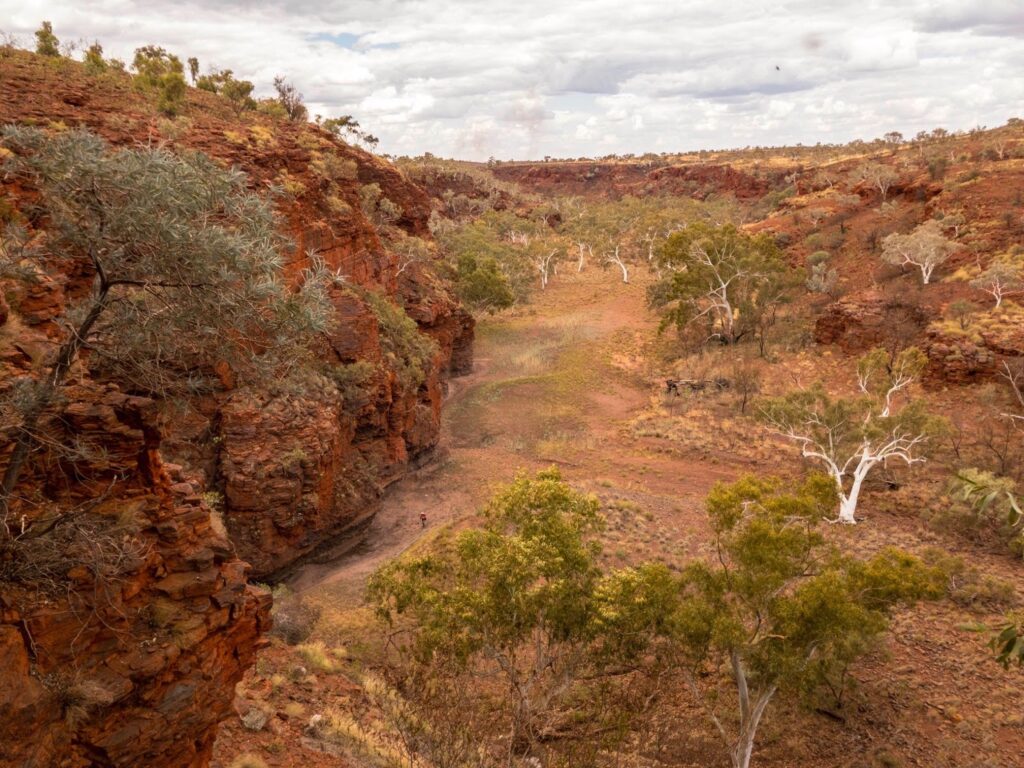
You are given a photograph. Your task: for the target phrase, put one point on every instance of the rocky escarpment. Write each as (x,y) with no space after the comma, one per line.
(957,354)
(292,470)
(131,657)
(302,471)
(858,323)
(133,619)
(615,180)
(126,618)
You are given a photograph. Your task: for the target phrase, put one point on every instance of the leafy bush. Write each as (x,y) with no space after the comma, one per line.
(272,108)
(160,71)
(95,64)
(334,167)
(967,586)
(406,351)
(376,207)
(290,185)
(47,43)
(290,100)
(937,168)
(353,381)
(961,311)
(223,82)
(987,506)
(481,285)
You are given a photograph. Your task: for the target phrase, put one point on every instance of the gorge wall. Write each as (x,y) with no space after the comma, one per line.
(135,664)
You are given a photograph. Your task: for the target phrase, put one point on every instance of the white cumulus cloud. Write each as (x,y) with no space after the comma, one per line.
(472,79)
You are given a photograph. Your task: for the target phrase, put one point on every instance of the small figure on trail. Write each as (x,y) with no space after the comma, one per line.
(423,519)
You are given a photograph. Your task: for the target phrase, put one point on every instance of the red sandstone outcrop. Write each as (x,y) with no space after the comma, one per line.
(138,668)
(124,639)
(859,323)
(616,180)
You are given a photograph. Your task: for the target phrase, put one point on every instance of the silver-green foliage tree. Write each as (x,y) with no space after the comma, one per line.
(719,279)
(181,268)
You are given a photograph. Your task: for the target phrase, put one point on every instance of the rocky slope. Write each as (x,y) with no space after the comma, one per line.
(136,665)
(615,180)
(122,643)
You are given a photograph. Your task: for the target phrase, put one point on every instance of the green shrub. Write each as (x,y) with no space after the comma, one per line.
(333,167)
(985,507)
(376,207)
(47,43)
(481,285)
(967,586)
(160,71)
(406,351)
(271,108)
(95,64)
(223,83)
(814,241)
(353,381)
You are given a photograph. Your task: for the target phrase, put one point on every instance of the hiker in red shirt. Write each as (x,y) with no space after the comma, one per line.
(423,519)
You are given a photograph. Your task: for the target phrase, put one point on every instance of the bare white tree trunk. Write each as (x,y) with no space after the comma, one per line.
(618,261)
(751,713)
(544,267)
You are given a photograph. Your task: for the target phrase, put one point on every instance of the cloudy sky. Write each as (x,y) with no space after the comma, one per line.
(524,79)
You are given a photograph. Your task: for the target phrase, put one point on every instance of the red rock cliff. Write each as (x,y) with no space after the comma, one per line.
(137,666)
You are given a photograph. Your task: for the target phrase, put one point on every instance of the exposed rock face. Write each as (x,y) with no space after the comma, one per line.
(298,472)
(137,666)
(616,180)
(967,356)
(958,359)
(351,449)
(129,660)
(858,324)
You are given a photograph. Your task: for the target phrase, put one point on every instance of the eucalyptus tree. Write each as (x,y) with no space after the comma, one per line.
(777,612)
(926,248)
(878,175)
(850,436)
(513,599)
(719,278)
(181,274)
(1003,277)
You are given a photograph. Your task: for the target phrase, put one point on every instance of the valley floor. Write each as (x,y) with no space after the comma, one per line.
(572,380)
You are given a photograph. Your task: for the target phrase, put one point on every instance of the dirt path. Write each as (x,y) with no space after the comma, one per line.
(555,383)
